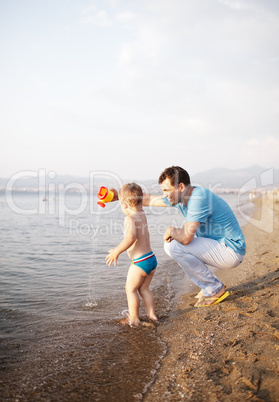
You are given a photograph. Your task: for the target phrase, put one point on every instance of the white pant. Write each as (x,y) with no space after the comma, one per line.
(195,257)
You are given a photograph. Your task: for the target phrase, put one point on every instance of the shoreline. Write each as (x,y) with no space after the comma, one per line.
(229,352)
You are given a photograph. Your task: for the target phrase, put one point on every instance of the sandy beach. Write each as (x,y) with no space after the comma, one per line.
(229,352)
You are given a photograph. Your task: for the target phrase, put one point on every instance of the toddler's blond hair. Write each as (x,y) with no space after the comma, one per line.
(131,193)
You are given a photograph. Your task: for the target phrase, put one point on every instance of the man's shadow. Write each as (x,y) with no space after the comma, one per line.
(269,280)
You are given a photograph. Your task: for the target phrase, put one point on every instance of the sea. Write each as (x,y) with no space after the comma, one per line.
(62,307)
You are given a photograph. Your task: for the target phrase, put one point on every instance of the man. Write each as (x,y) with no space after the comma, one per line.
(211,235)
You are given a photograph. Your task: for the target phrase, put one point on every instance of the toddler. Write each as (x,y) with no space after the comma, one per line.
(136,242)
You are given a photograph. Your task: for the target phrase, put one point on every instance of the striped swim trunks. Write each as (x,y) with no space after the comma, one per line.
(146,262)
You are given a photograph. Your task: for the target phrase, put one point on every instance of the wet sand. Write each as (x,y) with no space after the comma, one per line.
(78,359)
(230,351)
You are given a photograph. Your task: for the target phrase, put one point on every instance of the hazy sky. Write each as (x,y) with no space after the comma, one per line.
(135,86)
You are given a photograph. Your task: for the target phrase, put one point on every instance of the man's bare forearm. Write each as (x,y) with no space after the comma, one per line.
(153,200)
(149,200)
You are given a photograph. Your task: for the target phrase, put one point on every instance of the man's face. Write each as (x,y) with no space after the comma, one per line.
(172,193)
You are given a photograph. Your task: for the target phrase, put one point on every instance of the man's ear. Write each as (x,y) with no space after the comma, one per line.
(181,186)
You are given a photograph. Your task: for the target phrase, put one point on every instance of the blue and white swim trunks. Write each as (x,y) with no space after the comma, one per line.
(146,262)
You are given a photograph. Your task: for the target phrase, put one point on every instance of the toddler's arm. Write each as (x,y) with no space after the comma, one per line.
(129,239)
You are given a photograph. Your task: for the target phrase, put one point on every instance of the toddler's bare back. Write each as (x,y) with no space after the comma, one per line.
(142,243)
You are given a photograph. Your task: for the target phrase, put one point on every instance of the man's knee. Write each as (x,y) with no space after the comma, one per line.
(171,248)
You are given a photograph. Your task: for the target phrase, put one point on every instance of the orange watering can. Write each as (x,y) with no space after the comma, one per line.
(105,195)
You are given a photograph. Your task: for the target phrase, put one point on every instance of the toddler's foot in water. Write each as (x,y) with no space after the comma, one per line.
(150,321)
(124,321)
(134,322)
(128,321)
(153,318)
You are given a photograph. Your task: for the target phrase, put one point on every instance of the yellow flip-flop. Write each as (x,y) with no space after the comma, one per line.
(217,299)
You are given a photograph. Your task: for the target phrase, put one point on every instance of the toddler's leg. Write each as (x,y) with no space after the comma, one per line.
(135,278)
(147,296)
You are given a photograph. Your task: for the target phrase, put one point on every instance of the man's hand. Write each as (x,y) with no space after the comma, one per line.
(184,235)
(167,235)
(112,257)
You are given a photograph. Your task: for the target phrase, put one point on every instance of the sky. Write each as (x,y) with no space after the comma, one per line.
(134,86)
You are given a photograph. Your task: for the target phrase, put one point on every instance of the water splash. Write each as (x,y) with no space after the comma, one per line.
(125,313)
(92,300)
(91,303)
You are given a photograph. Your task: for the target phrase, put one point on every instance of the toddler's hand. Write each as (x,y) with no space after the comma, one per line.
(112,257)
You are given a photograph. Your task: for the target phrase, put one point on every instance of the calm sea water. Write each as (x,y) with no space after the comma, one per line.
(59,302)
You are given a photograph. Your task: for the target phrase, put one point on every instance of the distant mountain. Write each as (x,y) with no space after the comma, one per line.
(238,178)
(26,183)
(255,176)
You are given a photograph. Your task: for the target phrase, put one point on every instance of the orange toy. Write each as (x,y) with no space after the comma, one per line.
(105,195)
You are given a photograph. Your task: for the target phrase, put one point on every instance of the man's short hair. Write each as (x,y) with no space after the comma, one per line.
(131,193)
(176,175)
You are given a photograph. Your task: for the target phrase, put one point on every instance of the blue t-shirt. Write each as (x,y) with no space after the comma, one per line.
(217,220)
